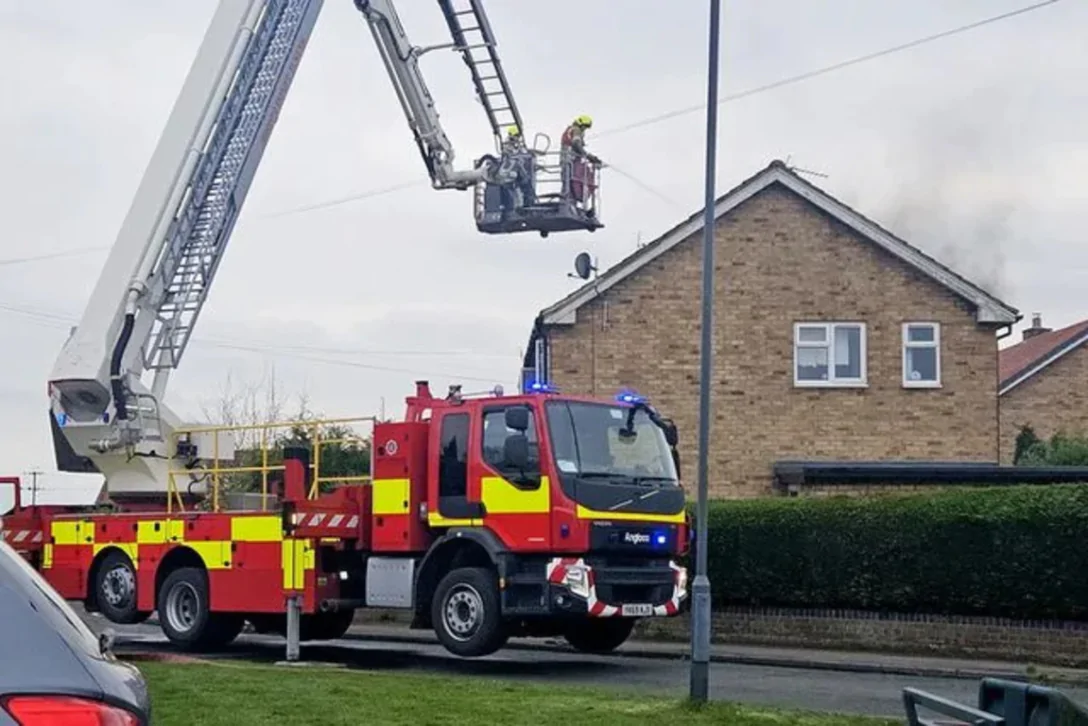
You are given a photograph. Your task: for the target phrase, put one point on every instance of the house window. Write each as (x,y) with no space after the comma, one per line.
(829,354)
(921,355)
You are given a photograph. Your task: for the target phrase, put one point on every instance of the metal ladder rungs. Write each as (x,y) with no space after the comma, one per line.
(483,69)
(199,235)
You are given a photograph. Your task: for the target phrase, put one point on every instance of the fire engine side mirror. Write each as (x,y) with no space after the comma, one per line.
(517,418)
(515,452)
(672,435)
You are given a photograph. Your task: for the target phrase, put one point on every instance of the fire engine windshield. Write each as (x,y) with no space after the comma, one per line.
(592,440)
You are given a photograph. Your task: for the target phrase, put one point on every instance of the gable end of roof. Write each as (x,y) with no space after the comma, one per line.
(988,309)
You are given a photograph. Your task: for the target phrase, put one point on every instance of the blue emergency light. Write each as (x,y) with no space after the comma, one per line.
(539,387)
(629,396)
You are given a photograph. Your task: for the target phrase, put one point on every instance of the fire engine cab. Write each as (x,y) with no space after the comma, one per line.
(483,516)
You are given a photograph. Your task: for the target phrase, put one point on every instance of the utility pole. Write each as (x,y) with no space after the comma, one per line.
(700,610)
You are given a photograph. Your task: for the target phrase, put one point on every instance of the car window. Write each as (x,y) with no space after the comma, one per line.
(18,575)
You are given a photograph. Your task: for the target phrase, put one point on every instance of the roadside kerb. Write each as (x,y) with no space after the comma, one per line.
(857,663)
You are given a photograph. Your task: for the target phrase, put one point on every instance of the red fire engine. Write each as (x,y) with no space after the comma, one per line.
(485,517)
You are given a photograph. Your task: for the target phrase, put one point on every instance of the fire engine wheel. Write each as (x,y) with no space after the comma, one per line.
(185,617)
(115,590)
(466,615)
(599,635)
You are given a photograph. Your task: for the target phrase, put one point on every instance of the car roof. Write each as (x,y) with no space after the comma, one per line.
(44,643)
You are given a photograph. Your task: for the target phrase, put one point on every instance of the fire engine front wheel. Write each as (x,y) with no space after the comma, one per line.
(466,614)
(185,616)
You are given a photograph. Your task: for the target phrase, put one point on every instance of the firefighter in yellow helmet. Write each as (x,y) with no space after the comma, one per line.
(514,142)
(579,180)
(515,170)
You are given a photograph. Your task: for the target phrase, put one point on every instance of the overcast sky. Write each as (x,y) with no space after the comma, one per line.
(972,147)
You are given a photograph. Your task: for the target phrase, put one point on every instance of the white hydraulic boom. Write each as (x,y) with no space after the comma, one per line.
(142,311)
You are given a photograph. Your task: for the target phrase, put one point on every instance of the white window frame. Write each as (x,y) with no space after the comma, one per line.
(908,344)
(829,338)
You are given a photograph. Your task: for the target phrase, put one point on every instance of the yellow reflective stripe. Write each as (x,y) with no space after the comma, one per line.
(256,529)
(129,548)
(298,556)
(72,533)
(437,520)
(502,497)
(47,557)
(216,555)
(287,557)
(584,513)
(160,531)
(146,532)
(390,496)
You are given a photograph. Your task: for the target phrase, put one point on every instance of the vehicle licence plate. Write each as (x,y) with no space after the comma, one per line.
(636,610)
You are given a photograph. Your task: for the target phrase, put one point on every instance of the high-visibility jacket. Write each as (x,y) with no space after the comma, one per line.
(573,139)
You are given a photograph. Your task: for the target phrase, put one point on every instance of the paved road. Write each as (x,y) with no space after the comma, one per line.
(819,690)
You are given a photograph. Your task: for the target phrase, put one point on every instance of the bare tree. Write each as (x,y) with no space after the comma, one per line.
(252,403)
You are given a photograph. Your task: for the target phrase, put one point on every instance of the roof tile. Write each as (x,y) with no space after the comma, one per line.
(1015,360)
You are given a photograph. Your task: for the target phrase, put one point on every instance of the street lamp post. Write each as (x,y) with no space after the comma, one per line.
(700,605)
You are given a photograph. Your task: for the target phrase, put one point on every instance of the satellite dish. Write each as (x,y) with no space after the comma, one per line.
(583,265)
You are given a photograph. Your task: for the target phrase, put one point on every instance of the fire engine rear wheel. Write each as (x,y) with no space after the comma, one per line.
(115,590)
(599,635)
(185,617)
(466,615)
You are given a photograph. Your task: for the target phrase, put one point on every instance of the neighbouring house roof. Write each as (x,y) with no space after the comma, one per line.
(988,309)
(1019,362)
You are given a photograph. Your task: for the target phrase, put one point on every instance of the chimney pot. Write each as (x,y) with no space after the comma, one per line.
(1036,326)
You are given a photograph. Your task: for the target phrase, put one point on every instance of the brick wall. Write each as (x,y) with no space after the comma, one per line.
(1054,399)
(1046,642)
(781,261)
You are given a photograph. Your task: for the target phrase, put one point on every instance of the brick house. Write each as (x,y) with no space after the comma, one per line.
(834,339)
(1042,383)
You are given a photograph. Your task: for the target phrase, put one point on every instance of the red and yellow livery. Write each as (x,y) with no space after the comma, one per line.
(485,517)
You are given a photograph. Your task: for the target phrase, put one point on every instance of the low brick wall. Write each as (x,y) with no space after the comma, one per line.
(1045,642)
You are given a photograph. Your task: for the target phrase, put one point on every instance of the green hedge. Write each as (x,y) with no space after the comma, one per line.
(1017,552)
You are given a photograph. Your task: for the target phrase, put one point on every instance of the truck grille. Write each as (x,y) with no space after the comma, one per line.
(636,585)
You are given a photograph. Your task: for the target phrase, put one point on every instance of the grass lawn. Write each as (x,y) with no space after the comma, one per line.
(222,693)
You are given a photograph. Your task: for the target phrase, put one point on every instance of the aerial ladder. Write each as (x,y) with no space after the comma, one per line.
(107,387)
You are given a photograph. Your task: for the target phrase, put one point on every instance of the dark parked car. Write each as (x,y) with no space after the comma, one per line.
(53,669)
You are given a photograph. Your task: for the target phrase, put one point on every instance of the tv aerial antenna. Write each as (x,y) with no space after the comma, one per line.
(799,170)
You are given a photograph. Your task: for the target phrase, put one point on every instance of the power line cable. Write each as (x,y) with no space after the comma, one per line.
(51,255)
(262,349)
(344,200)
(646,187)
(790,80)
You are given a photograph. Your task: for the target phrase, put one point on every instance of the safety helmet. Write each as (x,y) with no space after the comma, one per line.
(513,130)
(583,120)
